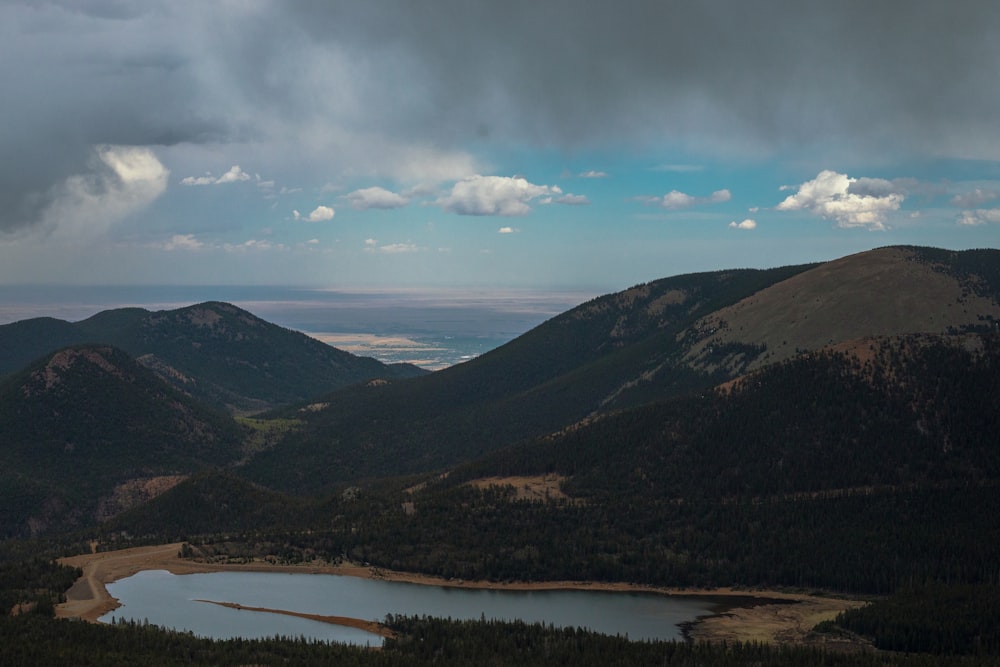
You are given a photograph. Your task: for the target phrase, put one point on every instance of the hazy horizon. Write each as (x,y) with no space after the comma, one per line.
(432,328)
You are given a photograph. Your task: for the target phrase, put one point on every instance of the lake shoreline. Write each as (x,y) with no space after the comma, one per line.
(372,627)
(743,614)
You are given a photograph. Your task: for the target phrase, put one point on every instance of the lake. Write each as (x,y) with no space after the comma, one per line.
(172,601)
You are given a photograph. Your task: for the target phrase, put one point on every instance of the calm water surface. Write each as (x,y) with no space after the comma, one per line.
(170,601)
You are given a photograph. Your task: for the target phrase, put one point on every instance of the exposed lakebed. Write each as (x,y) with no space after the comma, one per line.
(179,602)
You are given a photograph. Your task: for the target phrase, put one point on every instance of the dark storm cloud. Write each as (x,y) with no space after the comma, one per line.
(872,187)
(783,77)
(79,77)
(767,74)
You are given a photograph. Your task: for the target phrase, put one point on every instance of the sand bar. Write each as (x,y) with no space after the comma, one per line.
(361,624)
(761,615)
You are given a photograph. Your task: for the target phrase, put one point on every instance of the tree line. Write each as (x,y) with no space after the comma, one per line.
(36,640)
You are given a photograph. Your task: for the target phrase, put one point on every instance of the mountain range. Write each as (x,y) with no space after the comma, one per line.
(653,342)
(215,352)
(704,429)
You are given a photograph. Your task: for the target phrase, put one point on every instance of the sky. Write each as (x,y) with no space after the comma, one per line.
(462,143)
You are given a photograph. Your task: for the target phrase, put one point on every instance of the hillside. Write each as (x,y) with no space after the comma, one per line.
(855,471)
(890,412)
(557,373)
(884,292)
(859,469)
(664,339)
(215,352)
(696,431)
(87,431)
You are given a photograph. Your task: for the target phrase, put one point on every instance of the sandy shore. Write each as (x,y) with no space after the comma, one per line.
(760,615)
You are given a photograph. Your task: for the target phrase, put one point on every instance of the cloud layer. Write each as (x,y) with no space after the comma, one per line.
(409,91)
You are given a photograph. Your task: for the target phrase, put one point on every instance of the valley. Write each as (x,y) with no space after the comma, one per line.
(822,433)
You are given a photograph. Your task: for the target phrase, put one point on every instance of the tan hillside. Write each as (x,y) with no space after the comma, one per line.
(882,292)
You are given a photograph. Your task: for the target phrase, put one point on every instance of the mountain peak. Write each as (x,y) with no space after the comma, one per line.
(882,292)
(211,313)
(97,359)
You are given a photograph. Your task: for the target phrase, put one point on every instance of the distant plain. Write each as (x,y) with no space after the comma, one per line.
(432,328)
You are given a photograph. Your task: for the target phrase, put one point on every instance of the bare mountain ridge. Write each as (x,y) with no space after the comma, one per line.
(884,292)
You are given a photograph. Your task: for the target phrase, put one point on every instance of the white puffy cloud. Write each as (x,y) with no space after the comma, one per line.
(183,242)
(675,199)
(507,230)
(375,197)
(979,216)
(720,196)
(371,245)
(850,202)
(234,175)
(974,198)
(319,214)
(573,200)
(123,180)
(399,248)
(198,180)
(745,224)
(253,244)
(494,195)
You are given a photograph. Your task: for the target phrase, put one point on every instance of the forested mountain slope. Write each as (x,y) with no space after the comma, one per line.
(557,373)
(860,456)
(859,469)
(215,352)
(899,412)
(664,339)
(86,420)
